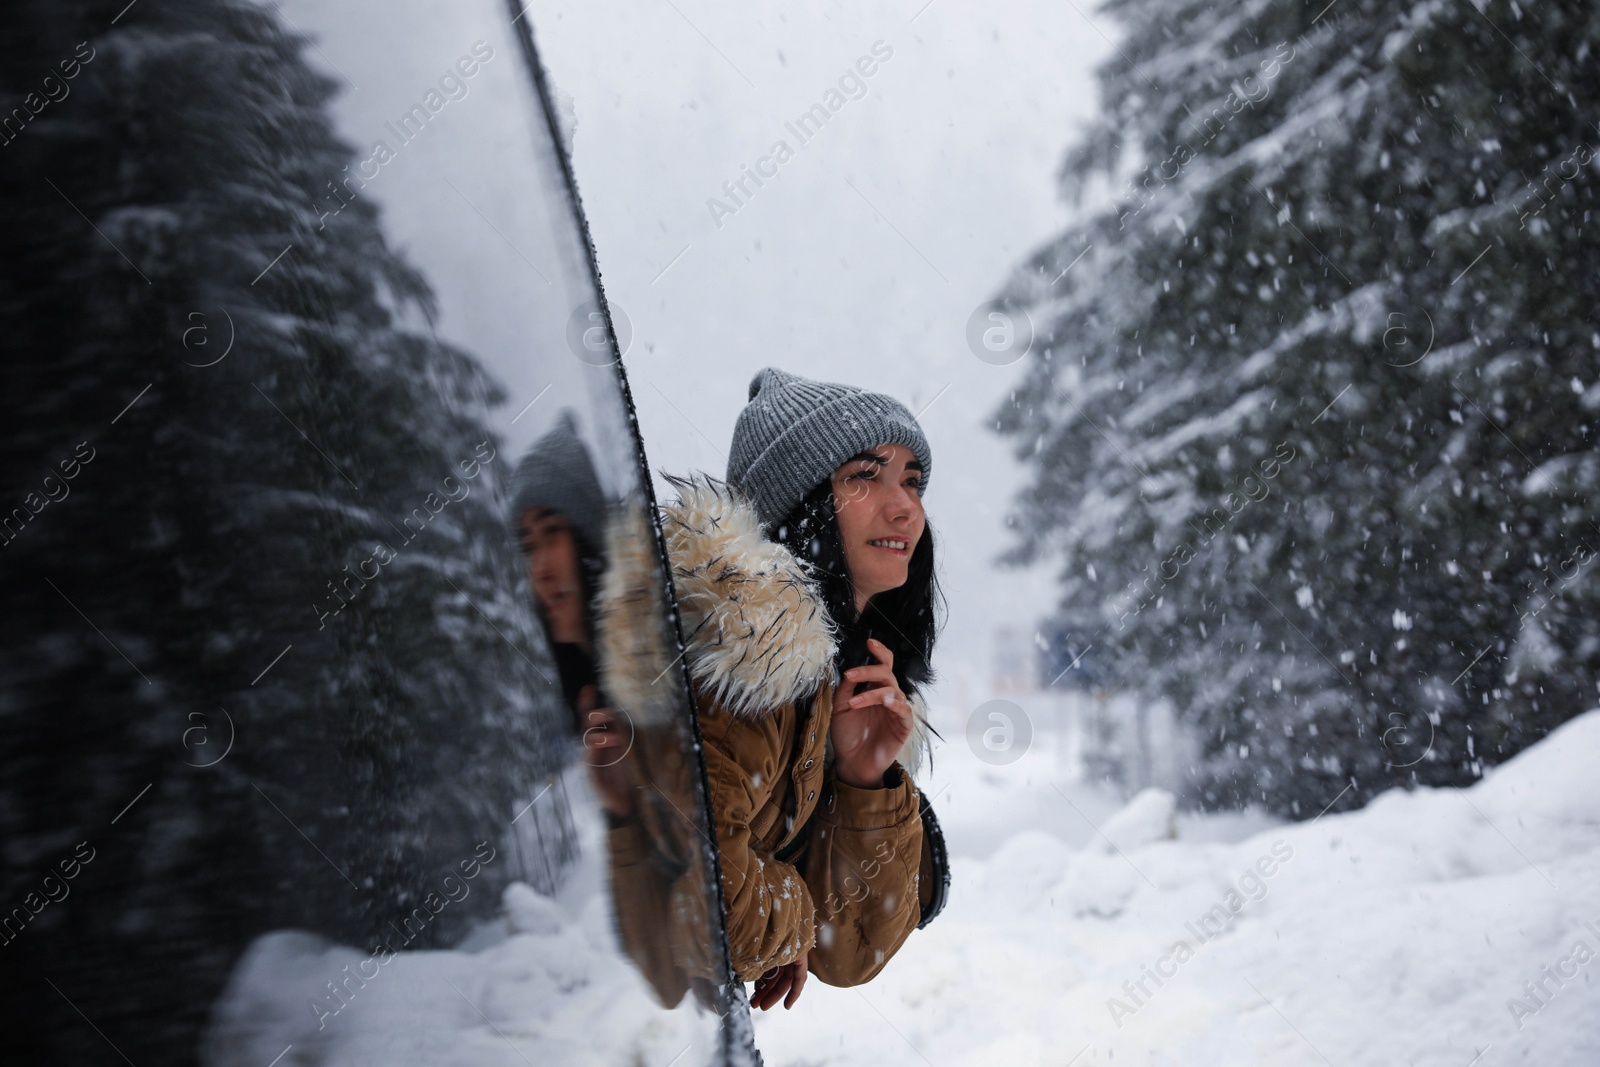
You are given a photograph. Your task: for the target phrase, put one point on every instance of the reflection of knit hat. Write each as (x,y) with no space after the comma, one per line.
(557,473)
(795,431)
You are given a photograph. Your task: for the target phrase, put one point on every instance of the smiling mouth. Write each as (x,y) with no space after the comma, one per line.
(890,544)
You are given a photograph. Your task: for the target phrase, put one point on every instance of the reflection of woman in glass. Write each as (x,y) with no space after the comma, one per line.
(813,558)
(559,509)
(600,603)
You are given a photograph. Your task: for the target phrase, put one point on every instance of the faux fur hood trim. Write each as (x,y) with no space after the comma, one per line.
(632,634)
(756,630)
(920,743)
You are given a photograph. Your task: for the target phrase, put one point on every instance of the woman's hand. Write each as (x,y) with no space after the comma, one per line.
(790,979)
(869,729)
(605,743)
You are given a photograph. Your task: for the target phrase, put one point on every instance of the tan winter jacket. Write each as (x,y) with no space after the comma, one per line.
(809,865)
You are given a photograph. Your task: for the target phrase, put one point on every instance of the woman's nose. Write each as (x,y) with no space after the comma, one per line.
(903,501)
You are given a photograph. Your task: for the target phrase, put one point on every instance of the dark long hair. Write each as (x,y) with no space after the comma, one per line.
(903,618)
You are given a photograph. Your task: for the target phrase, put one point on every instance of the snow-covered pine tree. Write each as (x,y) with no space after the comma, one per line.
(1311,424)
(204,531)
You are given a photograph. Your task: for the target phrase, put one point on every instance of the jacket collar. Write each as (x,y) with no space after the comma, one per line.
(756,631)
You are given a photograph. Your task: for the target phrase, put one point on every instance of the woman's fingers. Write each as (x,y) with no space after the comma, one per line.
(889,696)
(769,994)
(763,985)
(888,693)
(799,983)
(780,983)
(881,671)
(874,672)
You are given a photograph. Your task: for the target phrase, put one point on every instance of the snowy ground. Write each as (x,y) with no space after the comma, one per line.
(1392,935)
(547,984)
(1404,933)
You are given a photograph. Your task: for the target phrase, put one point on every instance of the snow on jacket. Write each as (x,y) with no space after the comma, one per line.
(810,866)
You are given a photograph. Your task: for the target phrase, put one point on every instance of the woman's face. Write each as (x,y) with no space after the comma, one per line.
(553,571)
(880,517)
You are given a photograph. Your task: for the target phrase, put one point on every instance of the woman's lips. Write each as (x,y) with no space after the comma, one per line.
(888,544)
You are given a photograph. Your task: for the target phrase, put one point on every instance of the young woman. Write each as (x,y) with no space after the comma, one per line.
(558,516)
(806,586)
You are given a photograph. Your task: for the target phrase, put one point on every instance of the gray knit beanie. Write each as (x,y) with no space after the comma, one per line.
(795,431)
(557,473)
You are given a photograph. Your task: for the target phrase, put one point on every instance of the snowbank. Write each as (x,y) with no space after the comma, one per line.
(1404,933)
(546,984)
(556,994)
